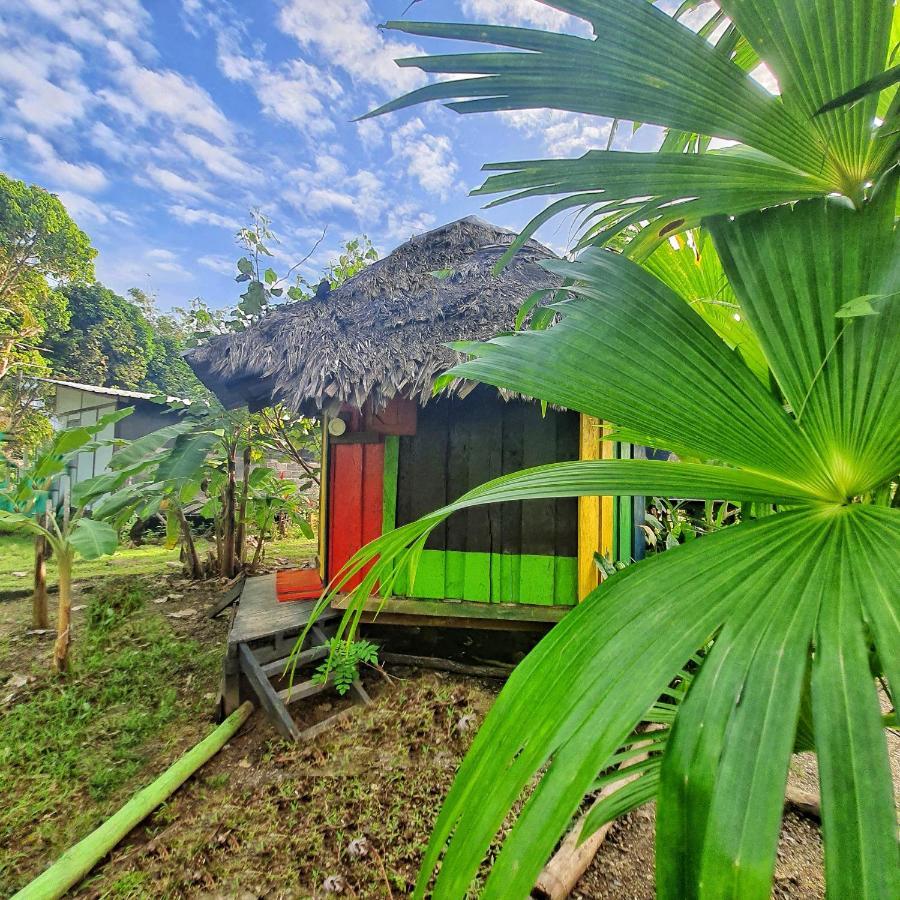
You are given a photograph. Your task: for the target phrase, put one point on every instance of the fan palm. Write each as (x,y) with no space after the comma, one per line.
(803,420)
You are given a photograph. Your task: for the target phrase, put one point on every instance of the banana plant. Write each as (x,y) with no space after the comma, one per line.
(798,603)
(84,523)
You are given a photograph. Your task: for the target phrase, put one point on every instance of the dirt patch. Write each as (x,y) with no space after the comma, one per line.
(265,818)
(623,869)
(270,819)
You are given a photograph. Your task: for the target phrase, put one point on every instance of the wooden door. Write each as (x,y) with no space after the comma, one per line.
(355,490)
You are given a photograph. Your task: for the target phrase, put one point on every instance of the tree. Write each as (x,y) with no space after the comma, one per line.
(218,469)
(84,523)
(38,241)
(794,609)
(167,373)
(264,288)
(108,341)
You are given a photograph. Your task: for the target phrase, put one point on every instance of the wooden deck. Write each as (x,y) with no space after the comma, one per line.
(262,636)
(264,632)
(261,616)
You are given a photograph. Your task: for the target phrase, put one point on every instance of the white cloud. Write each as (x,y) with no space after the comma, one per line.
(563,134)
(166,261)
(177,184)
(218,160)
(192,216)
(345,33)
(82,208)
(111,142)
(93,21)
(371,133)
(218,263)
(42,78)
(522,13)
(84,176)
(406,219)
(428,156)
(295,92)
(164,93)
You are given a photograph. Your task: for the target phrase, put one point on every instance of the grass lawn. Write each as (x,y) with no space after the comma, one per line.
(17,556)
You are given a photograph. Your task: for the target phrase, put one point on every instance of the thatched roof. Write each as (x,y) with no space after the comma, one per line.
(383,332)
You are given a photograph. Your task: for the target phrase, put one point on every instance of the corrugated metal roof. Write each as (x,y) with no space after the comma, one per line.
(112,392)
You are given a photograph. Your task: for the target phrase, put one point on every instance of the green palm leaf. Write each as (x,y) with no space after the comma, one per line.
(858,815)
(792,270)
(624,628)
(817,55)
(603,350)
(694,271)
(677,188)
(626,72)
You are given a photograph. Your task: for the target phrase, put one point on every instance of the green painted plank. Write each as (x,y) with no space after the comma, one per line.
(496,578)
(477,584)
(455,575)
(536,581)
(389,498)
(565,581)
(506,588)
(430,576)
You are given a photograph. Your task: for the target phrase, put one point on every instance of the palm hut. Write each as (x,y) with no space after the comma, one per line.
(364,360)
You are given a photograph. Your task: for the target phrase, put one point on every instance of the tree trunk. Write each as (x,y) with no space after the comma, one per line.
(241,530)
(226,561)
(259,546)
(64,618)
(39,615)
(195,570)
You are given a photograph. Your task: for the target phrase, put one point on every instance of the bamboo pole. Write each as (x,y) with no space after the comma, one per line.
(77,861)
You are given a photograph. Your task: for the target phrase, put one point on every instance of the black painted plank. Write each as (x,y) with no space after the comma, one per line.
(421,472)
(513,451)
(460,444)
(567,448)
(539,516)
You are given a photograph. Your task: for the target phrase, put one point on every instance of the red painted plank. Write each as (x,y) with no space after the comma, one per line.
(346,499)
(356,488)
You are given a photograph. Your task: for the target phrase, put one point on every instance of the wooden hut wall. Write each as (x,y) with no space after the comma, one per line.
(509,552)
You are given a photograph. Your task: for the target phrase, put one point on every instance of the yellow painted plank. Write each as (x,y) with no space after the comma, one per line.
(588,512)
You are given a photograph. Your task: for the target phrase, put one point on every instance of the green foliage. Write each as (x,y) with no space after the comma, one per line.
(264,288)
(38,241)
(800,427)
(108,341)
(344,660)
(101,504)
(70,751)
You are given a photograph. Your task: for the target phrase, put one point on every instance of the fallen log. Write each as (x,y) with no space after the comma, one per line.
(571,860)
(446,665)
(804,802)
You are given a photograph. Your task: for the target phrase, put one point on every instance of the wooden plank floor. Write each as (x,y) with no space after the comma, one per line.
(260,615)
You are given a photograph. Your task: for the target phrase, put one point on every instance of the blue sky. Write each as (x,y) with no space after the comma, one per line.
(160,124)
